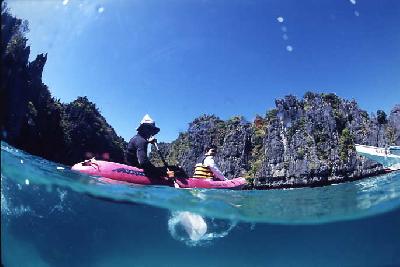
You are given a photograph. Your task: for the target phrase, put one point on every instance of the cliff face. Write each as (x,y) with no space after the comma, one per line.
(311,141)
(232,137)
(31,119)
(307,141)
(394,122)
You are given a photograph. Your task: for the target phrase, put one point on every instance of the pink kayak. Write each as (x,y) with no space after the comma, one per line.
(125,173)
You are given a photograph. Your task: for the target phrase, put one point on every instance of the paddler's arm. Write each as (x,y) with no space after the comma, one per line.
(144,161)
(209,161)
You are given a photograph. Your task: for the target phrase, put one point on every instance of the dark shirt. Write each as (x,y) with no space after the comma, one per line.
(136,155)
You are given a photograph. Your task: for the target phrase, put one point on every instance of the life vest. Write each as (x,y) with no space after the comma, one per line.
(202,171)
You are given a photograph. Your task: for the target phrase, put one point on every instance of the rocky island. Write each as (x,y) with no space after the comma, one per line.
(302,142)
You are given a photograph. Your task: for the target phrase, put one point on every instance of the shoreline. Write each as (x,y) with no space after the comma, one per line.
(293,183)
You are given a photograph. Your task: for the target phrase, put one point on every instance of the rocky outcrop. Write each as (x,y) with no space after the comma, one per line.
(302,142)
(393,133)
(232,136)
(31,119)
(311,142)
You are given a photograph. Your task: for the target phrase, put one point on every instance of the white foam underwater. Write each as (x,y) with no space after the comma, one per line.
(193,229)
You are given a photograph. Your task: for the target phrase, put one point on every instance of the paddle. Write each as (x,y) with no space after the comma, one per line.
(165,164)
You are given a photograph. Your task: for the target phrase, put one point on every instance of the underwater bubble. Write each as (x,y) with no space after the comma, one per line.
(280,19)
(26,181)
(60,168)
(65,2)
(193,229)
(22,161)
(100,9)
(289,48)
(356,13)
(285,36)
(187,227)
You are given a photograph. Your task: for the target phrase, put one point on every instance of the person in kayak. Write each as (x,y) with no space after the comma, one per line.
(207,169)
(136,153)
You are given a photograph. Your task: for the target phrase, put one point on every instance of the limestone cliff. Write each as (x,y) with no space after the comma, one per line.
(302,142)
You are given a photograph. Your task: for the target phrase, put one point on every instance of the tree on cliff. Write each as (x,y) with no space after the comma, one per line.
(90,134)
(381,119)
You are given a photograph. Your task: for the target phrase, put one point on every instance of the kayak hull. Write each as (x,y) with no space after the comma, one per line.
(125,173)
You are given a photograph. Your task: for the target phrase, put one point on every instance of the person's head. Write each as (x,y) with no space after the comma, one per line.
(211,150)
(147,127)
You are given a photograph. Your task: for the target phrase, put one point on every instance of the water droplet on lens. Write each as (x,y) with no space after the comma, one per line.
(353,2)
(289,48)
(100,9)
(284,28)
(356,13)
(280,19)
(65,2)
(285,36)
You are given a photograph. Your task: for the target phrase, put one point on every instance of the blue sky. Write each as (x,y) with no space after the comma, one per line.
(176,60)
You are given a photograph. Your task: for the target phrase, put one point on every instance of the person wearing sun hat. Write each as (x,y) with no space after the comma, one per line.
(136,153)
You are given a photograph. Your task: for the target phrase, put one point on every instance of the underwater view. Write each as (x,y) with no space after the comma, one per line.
(237,133)
(52,216)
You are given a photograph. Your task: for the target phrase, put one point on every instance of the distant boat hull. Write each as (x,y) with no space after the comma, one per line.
(125,173)
(384,156)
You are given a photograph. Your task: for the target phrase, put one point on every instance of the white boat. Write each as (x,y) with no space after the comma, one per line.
(389,157)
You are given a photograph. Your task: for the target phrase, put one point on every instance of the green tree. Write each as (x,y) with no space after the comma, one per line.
(346,143)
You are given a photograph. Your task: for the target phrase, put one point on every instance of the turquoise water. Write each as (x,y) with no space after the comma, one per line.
(54,217)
